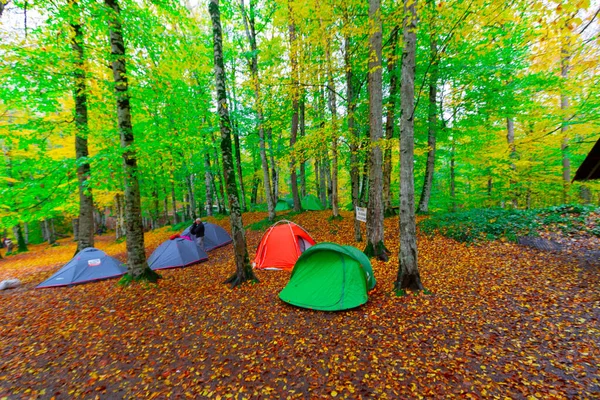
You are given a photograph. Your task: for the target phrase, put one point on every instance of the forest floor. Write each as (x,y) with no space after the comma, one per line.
(503,320)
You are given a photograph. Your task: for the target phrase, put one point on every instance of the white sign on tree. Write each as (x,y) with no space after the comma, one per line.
(361,214)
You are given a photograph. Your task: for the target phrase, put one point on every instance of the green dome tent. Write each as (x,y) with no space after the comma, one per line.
(282,205)
(311,202)
(330,277)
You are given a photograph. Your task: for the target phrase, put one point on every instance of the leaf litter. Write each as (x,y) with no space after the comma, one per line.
(502,321)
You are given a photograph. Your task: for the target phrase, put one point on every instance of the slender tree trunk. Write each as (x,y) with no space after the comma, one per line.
(353,138)
(408,272)
(244,271)
(191,197)
(238,161)
(26,232)
(86,202)
(137,266)
(173,200)
(51,234)
(510,138)
(564,105)
(274,175)
(295,107)
(364,186)
(317,178)
(208,180)
(155,211)
(165,206)
(432,123)
(323,182)
(392,67)
(453,175)
(237,148)
(303,161)
(375,246)
(248,19)
(334,134)
(219,185)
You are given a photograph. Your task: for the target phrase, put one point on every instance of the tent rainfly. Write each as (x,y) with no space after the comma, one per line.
(214,236)
(175,253)
(90,264)
(330,277)
(281,245)
(282,205)
(311,202)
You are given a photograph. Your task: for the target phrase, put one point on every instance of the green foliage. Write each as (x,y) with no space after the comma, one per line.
(181,225)
(493,224)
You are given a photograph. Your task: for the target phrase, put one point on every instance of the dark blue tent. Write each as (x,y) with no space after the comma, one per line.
(90,264)
(176,253)
(214,236)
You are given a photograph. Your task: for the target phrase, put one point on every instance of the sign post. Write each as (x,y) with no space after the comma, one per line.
(361,214)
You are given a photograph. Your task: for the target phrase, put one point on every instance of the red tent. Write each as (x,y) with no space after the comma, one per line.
(281,246)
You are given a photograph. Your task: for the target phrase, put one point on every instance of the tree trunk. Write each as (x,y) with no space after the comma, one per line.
(353,138)
(295,107)
(137,267)
(274,175)
(244,271)
(22,246)
(323,182)
(219,190)
(26,232)
(375,246)
(392,67)
(238,153)
(173,200)
(408,272)
(453,206)
(317,178)
(303,161)
(238,161)
(75,223)
(510,139)
(208,184)
(334,135)
(165,206)
(191,197)
(248,19)
(564,105)
(432,124)
(86,202)
(51,234)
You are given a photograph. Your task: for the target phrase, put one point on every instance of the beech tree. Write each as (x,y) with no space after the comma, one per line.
(408,272)
(375,246)
(244,270)
(85,221)
(137,267)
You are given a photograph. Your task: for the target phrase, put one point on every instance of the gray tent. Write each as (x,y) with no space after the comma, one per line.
(176,253)
(214,236)
(90,264)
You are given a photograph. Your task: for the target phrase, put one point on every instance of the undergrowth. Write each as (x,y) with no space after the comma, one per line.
(493,224)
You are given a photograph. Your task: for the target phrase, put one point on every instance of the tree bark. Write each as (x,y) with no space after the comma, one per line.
(173,200)
(208,184)
(392,67)
(432,124)
(86,202)
(237,148)
(408,273)
(564,105)
(510,139)
(50,232)
(137,267)
(353,138)
(244,271)
(303,160)
(295,109)
(75,224)
(248,19)
(375,246)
